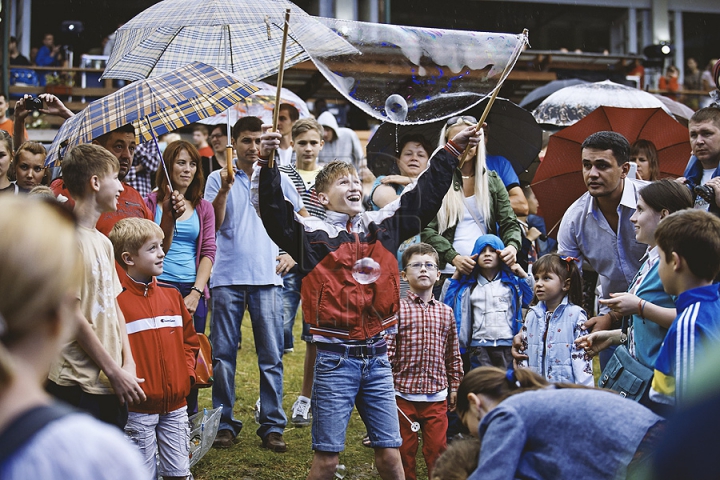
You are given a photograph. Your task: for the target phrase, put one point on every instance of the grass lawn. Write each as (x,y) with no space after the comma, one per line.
(247,460)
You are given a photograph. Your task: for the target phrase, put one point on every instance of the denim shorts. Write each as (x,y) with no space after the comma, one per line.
(343,382)
(168,434)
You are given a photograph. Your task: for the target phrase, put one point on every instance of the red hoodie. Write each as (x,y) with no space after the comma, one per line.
(163,343)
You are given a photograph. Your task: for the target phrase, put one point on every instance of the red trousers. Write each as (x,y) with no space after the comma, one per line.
(432,417)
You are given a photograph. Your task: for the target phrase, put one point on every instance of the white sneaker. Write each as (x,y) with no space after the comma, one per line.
(301,412)
(257,411)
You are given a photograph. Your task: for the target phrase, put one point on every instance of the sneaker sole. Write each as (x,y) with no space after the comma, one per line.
(302,423)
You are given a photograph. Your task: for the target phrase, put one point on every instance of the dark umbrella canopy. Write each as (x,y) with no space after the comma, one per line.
(535,97)
(559,181)
(513,134)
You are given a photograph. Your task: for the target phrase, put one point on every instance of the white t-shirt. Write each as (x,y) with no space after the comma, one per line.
(79,447)
(467,232)
(284,156)
(100,287)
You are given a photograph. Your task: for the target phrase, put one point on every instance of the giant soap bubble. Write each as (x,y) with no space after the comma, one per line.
(410,75)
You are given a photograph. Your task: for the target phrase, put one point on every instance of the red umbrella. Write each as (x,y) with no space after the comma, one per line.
(558,181)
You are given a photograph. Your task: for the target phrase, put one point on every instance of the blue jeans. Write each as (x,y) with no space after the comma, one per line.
(291,300)
(265,305)
(342,382)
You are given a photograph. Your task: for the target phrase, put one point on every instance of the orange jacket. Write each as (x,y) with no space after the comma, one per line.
(163,343)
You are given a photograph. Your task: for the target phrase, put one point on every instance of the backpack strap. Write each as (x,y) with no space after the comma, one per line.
(21,430)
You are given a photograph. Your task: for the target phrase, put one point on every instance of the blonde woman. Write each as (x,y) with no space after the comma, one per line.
(38,315)
(476,204)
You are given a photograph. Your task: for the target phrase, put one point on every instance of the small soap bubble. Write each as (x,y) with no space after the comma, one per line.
(340,471)
(366,271)
(396,108)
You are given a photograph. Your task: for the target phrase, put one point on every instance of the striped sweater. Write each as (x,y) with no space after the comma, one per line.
(697,323)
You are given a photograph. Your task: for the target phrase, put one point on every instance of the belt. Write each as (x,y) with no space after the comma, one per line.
(357,351)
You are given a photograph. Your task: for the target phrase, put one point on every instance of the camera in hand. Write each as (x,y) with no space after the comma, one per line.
(33,104)
(706,192)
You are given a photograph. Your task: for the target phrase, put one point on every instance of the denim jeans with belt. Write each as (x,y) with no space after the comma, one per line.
(265,305)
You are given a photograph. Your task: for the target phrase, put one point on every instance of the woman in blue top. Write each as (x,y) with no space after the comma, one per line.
(191,254)
(652,310)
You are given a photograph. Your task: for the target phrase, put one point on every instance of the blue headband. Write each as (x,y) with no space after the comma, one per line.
(510,377)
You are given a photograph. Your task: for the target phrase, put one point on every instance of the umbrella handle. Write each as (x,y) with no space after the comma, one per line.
(505,73)
(281,72)
(229,161)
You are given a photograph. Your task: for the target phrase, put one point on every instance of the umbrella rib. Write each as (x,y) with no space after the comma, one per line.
(167,45)
(232,63)
(647,120)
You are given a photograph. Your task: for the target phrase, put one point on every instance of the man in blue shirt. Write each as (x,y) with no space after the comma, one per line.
(49,54)
(246,275)
(597,228)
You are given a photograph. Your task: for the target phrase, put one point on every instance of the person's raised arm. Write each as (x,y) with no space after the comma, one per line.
(419,205)
(383,194)
(518,201)
(216,191)
(508,228)
(277,213)
(173,207)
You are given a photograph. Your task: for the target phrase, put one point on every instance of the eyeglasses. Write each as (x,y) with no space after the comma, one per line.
(217,135)
(466,118)
(430,267)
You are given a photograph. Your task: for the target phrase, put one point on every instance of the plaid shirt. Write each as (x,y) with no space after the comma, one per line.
(146,155)
(424,354)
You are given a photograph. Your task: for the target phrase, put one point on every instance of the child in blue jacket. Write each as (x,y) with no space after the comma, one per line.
(555,322)
(488,304)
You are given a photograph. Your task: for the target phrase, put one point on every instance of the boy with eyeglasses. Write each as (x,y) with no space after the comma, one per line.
(425,358)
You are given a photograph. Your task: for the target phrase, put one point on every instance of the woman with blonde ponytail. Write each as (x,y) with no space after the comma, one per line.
(529,428)
(475,205)
(40,273)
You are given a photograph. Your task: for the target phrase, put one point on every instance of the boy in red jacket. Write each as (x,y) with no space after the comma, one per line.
(164,345)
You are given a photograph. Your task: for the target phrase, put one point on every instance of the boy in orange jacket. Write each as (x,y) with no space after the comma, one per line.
(164,345)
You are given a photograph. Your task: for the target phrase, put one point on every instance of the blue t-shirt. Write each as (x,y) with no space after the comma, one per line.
(697,323)
(245,253)
(179,264)
(504,169)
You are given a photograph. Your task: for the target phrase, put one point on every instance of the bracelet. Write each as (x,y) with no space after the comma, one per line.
(641,308)
(197,290)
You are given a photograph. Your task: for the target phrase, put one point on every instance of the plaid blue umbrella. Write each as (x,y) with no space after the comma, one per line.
(162,104)
(239,36)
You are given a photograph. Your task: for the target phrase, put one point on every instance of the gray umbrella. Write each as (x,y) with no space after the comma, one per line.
(535,97)
(570,104)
